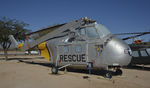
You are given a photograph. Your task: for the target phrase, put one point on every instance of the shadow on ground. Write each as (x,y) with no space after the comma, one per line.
(19,58)
(84,71)
(138,68)
(36,63)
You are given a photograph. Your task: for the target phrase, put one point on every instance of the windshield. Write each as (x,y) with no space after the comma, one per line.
(102,30)
(91,32)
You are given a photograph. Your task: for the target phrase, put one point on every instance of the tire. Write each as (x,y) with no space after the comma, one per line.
(108,75)
(118,72)
(54,70)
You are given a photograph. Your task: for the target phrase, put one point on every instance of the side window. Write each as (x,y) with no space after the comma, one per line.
(66,49)
(135,54)
(91,32)
(148,51)
(78,48)
(143,53)
(81,31)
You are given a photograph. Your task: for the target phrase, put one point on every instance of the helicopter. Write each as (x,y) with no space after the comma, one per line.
(140,53)
(81,44)
(140,49)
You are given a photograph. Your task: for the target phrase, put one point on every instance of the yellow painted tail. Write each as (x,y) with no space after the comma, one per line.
(42,47)
(44,51)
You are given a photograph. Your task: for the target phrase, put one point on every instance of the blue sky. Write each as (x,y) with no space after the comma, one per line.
(117,15)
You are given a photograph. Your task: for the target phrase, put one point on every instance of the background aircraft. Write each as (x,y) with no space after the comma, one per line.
(140,49)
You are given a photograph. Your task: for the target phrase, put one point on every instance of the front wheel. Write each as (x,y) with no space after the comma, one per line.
(54,70)
(108,75)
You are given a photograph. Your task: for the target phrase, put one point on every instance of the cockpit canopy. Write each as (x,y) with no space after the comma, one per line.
(94,31)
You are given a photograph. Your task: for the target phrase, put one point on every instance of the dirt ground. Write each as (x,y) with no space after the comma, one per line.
(34,72)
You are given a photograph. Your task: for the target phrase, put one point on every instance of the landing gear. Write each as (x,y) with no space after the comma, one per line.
(118,72)
(108,75)
(54,70)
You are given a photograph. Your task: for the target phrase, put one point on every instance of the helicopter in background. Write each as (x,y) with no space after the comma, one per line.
(140,49)
(140,53)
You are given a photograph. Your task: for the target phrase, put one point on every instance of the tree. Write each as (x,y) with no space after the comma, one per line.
(11,27)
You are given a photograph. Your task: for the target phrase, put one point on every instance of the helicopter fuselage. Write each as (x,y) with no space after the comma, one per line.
(78,50)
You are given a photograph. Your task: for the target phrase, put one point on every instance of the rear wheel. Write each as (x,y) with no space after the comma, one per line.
(54,70)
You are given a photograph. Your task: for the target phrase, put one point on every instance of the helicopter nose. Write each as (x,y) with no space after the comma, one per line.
(118,51)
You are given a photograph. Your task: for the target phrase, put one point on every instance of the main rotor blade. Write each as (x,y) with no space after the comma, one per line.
(71,26)
(144,33)
(132,33)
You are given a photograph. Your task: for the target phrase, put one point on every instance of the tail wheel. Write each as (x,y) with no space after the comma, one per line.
(118,72)
(54,70)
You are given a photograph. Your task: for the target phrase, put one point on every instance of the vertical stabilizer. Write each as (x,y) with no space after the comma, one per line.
(13,40)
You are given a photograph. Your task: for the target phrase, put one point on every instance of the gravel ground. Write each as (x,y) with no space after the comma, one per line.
(34,72)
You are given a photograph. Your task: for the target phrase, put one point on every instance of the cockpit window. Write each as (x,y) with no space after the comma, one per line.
(102,30)
(91,32)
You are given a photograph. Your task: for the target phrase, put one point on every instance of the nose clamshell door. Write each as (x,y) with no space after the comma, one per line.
(115,52)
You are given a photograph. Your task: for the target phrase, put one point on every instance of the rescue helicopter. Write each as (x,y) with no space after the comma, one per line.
(81,44)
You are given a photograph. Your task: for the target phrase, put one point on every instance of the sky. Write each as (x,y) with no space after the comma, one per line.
(118,16)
